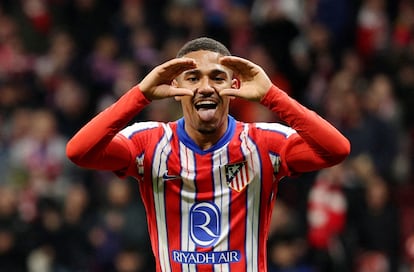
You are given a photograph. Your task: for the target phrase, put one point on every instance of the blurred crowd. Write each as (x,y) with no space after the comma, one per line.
(63,61)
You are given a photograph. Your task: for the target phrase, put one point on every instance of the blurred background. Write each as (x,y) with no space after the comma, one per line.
(63,61)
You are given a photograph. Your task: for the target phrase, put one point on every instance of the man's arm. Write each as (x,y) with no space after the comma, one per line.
(319,144)
(96,145)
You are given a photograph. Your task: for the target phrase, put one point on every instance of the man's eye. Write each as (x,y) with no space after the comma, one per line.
(218,79)
(192,79)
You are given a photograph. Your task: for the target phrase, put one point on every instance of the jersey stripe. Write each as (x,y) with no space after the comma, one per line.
(238,209)
(138,127)
(276,127)
(253,200)
(173,188)
(159,167)
(188,194)
(221,199)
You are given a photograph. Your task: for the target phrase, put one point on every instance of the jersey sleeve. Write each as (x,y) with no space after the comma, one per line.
(97,145)
(316,144)
(138,137)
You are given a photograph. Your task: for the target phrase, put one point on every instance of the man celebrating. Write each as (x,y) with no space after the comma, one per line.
(208,182)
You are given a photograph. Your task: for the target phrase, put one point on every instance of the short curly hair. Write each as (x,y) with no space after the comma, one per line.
(203,43)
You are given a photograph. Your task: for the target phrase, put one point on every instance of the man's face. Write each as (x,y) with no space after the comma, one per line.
(206,112)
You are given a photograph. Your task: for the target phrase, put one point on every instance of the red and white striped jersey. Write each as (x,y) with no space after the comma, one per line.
(208,210)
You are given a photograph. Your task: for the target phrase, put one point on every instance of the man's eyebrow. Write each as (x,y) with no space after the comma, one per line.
(191,72)
(218,71)
(198,71)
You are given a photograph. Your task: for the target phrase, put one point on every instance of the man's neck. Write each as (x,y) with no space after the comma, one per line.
(206,140)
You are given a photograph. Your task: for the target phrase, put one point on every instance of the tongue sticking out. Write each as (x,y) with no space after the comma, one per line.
(206,115)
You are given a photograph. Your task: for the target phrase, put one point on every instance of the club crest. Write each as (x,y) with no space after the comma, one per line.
(237,175)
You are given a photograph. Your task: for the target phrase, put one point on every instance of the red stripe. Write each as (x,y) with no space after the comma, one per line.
(173,204)
(238,227)
(238,207)
(205,189)
(147,196)
(205,192)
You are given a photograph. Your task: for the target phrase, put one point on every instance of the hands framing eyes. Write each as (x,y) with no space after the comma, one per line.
(253,81)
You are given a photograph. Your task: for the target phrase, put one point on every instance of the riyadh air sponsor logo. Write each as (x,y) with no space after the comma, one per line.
(205,224)
(205,230)
(212,257)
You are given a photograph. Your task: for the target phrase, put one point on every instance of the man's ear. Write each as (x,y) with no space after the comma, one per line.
(174,83)
(235,83)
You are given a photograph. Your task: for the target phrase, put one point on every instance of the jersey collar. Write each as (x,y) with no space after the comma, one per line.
(187,141)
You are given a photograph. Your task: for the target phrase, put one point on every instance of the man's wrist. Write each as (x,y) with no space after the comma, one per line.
(271,96)
(140,94)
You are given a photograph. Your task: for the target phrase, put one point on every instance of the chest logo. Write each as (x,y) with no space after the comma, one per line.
(167,177)
(205,224)
(237,175)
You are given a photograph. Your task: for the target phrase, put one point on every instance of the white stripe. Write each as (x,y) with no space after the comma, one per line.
(187,199)
(159,167)
(222,200)
(276,127)
(136,127)
(239,179)
(253,198)
(244,175)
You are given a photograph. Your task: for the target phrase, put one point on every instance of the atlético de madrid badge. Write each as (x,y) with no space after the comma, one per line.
(237,175)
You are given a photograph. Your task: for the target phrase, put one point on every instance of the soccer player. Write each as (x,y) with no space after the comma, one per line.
(208,181)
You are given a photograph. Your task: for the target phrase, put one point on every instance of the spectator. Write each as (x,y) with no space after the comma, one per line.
(327,212)
(377,217)
(288,252)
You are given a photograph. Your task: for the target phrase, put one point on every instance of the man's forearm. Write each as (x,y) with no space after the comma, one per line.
(99,132)
(324,138)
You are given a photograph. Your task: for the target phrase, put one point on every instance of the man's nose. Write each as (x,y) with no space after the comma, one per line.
(205,87)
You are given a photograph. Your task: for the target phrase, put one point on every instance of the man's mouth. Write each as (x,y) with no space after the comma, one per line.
(206,110)
(206,105)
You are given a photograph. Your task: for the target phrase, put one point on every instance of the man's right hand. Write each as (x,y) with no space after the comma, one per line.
(157,83)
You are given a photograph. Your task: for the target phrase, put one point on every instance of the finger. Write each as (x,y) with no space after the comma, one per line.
(241,93)
(174,91)
(180,62)
(237,64)
(175,67)
(230,92)
(243,69)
